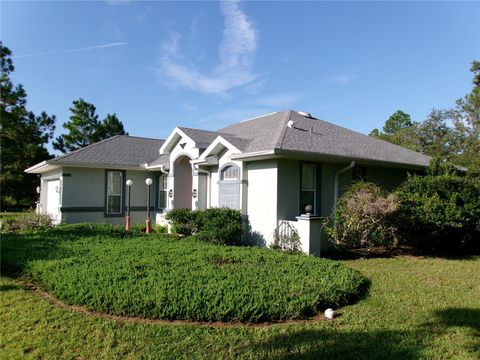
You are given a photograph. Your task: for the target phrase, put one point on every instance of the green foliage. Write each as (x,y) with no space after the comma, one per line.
(399,129)
(184,221)
(440,212)
(388,324)
(397,121)
(216,225)
(161,278)
(23,136)
(18,222)
(364,217)
(220,226)
(84,128)
(288,240)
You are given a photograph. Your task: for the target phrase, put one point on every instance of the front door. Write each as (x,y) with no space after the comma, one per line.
(53,200)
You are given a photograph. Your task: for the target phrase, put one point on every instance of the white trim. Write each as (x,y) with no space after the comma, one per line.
(167,146)
(218,140)
(253,154)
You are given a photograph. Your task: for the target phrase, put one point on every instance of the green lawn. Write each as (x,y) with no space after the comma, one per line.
(416,308)
(160,277)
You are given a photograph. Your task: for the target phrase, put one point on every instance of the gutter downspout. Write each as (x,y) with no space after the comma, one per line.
(165,172)
(195,167)
(335,194)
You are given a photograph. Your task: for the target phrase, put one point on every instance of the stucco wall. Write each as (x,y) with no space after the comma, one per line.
(288,191)
(387,178)
(85,188)
(262,199)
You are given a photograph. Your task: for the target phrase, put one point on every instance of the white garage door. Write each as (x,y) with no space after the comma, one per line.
(53,200)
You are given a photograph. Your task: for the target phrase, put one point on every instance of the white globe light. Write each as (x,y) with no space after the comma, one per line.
(148,181)
(129,182)
(329,313)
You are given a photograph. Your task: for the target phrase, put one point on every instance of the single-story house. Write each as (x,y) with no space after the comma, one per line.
(269,167)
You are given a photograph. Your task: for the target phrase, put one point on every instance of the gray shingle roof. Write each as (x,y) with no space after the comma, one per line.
(264,133)
(163,159)
(122,150)
(309,135)
(201,137)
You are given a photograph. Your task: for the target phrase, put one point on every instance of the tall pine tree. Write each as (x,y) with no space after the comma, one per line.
(23,137)
(84,128)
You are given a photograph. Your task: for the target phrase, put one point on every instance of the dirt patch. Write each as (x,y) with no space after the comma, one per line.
(223,262)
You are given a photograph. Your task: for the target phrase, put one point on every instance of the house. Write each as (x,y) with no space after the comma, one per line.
(269,167)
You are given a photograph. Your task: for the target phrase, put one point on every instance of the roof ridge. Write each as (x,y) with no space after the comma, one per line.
(279,144)
(142,137)
(210,131)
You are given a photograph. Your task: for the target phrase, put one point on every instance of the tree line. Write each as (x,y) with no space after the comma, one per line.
(452,135)
(24,136)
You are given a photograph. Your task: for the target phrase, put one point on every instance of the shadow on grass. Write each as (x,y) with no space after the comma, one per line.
(334,344)
(461,317)
(9,287)
(385,253)
(18,249)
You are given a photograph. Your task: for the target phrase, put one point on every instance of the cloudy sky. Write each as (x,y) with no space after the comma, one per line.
(208,64)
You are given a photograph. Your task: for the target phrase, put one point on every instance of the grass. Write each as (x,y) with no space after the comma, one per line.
(165,278)
(417,308)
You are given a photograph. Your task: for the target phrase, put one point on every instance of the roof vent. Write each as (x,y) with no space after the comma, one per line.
(291,124)
(306,114)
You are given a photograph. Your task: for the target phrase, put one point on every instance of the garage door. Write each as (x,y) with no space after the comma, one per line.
(53,200)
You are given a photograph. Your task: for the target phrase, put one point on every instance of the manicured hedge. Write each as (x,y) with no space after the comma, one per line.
(440,212)
(164,278)
(215,225)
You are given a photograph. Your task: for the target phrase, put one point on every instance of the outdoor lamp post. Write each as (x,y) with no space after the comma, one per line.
(148,181)
(127,218)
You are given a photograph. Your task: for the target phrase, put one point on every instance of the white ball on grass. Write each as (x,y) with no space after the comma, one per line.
(329,313)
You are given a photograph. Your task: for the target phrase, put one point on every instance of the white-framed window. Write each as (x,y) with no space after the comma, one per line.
(114,192)
(307,188)
(229,187)
(162,191)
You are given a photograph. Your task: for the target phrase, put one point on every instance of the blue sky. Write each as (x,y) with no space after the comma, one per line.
(208,64)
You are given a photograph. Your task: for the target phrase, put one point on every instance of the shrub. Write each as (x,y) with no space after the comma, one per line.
(15,222)
(440,212)
(286,241)
(363,217)
(184,221)
(220,226)
(156,277)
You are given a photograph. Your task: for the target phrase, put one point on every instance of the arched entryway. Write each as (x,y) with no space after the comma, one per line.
(182,183)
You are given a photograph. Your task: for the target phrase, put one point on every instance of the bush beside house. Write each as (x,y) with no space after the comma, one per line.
(364,217)
(215,225)
(438,212)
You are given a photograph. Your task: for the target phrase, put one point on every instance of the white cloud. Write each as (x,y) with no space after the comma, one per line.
(234,69)
(71,50)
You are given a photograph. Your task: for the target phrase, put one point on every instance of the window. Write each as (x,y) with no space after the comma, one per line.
(162,191)
(359,173)
(307,188)
(114,192)
(229,187)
